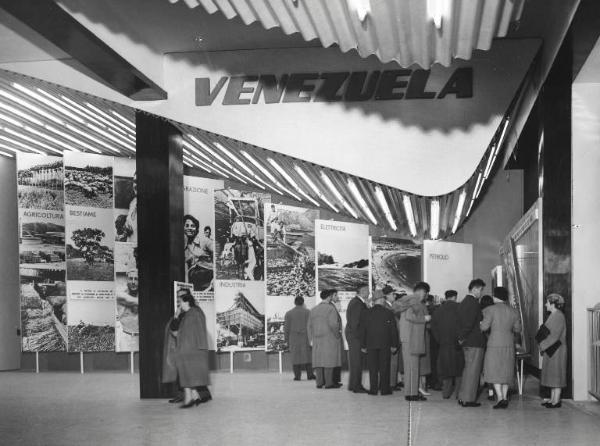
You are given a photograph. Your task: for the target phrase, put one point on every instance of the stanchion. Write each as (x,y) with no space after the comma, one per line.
(280,364)
(131,368)
(81,362)
(230,361)
(37,362)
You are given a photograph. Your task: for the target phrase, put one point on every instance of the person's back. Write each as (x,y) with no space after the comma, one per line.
(444,323)
(296,319)
(504,324)
(379,328)
(469,316)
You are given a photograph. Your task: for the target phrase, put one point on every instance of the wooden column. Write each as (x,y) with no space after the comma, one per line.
(160,240)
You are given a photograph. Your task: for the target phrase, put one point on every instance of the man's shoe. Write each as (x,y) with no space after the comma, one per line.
(411,398)
(320,387)
(470,404)
(399,386)
(360,390)
(311,377)
(296,379)
(334,386)
(177,399)
(372,393)
(386,393)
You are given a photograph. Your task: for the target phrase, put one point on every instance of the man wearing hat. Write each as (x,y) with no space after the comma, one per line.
(356,307)
(379,339)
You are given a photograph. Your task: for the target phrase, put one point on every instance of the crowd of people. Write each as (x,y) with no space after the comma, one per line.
(475,341)
(455,347)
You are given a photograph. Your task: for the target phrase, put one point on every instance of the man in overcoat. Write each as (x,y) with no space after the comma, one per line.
(356,307)
(445,329)
(472,341)
(325,334)
(379,339)
(296,337)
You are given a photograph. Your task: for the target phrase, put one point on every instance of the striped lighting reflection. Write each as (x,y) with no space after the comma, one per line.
(338,195)
(314,187)
(291,181)
(16,111)
(20,144)
(361,201)
(459,209)
(384,206)
(29,106)
(34,141)
(410,218)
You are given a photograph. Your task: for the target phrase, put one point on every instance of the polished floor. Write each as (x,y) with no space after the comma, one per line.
(268,409)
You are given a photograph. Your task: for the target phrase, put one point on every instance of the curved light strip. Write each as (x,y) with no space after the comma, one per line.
(337,194)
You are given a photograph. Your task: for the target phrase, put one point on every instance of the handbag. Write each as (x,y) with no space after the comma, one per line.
(552,349)
(542,334)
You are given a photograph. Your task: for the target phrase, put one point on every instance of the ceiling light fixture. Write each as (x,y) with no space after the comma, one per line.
(361,201)
(459,209)
(10,120)
(127,144)
(239,162)
(129,123)
(110,121)
(338,195)
(314,187)
(410,218)
(30,107)
(18,112)
(33,141)
(51,139)
(20,144)
(385,207)
(73,139)
(51,101)
(291,181)
(434,230)
(91,138)
(211,151)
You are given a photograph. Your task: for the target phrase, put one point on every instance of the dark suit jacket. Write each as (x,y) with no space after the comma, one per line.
(378,328)
(353,317)
(469,317)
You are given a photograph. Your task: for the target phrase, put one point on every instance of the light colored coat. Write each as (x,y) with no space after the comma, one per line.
(554,369)
(325,333)
(504,322)
(296,335)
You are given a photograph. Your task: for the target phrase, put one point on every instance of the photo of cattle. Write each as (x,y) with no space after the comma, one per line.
(88,180)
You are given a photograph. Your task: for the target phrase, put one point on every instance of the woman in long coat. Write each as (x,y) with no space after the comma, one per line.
(191,351)
(503,322)
(554,366)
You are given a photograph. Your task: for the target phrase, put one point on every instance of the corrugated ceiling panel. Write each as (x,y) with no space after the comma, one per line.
(406,31)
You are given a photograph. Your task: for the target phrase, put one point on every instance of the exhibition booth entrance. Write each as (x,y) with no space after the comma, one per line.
(255,176)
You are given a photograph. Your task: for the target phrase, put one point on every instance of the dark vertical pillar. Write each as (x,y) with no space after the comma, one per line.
(159,162)
(555,168)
